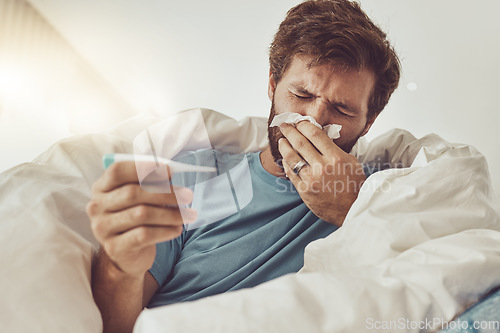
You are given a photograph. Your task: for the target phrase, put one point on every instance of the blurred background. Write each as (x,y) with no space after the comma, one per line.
(69,67)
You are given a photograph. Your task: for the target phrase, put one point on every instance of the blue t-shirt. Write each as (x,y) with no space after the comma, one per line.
(252,227)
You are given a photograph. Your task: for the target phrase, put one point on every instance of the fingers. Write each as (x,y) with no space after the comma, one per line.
(109,225)
(291,158)
(310,141)
(119,204)
(318,138)
(294,178)
(300,143)
(133,194)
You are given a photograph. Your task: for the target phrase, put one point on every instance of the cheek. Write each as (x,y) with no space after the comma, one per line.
(284,103)
(349,132)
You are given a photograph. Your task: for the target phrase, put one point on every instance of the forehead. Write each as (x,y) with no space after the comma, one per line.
(331,81)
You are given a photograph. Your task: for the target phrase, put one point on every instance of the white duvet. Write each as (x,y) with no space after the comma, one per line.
(420,243)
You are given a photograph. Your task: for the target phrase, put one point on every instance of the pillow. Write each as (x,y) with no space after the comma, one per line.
(45,237)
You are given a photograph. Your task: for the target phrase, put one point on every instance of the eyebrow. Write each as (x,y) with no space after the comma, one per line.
(302,90)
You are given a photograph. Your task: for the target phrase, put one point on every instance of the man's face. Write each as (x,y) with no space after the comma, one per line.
(326,92)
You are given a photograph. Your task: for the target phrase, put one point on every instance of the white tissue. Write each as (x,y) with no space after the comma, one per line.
(292,118)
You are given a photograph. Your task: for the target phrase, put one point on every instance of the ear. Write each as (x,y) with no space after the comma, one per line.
(271,86)
(369,124)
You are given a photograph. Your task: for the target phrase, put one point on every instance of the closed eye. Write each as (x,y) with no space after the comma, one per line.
(302,96)
(339,111)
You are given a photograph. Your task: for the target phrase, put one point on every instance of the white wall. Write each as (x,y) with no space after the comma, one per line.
(450,49)
(171,55)
(47,90)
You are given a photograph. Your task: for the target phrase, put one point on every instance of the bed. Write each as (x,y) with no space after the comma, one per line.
(420,244)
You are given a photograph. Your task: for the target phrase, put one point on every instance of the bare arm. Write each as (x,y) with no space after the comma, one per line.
(128,222)
(120,297)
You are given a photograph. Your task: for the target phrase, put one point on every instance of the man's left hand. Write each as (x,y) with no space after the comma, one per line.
(330,183)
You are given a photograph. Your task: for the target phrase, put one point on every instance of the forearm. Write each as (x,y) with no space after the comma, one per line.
(118,295)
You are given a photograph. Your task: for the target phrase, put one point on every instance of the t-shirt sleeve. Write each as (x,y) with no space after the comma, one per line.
(167,254)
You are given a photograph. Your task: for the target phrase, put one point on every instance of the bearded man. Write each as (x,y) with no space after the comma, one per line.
(328,61)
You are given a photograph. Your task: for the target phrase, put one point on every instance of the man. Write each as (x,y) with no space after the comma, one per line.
(327,61)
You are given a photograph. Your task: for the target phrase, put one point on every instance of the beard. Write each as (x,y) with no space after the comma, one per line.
(274,134)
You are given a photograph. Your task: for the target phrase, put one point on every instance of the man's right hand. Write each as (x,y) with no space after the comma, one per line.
(128,221)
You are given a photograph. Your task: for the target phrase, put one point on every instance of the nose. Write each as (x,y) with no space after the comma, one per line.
(319,111)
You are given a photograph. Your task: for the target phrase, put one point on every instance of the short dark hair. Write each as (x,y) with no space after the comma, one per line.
(337,31)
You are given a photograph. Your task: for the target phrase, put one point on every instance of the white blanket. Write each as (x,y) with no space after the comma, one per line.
(419,245)
(419,242)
